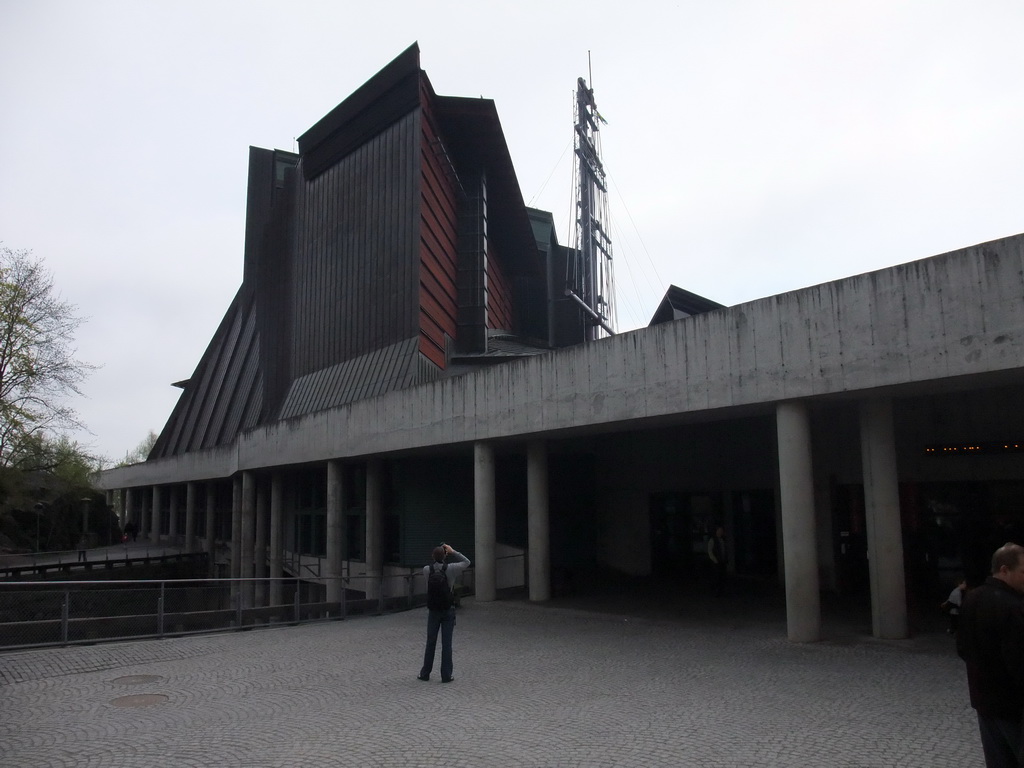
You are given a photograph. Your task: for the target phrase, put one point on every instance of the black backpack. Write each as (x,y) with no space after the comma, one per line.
(439,594)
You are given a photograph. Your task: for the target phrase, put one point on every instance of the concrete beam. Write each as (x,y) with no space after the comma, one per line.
(837,338)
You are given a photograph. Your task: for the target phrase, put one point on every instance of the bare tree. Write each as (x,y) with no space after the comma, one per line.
(38,368)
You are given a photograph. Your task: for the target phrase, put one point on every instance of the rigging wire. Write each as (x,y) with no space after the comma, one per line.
(630,307)
(558,162)
(636,229)
(572,228)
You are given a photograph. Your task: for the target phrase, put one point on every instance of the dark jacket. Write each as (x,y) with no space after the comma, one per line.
(991,641)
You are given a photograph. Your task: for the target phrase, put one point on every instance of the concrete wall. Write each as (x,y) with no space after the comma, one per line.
(960,314)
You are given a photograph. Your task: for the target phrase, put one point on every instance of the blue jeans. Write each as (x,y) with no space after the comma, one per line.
(445,621)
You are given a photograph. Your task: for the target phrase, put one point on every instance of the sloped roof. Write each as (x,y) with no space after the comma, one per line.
(679,303)
(394,367)
(387,96)
(225,394)
(501,346)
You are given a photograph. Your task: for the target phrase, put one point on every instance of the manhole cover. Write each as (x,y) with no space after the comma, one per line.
(136,679)
(139,700)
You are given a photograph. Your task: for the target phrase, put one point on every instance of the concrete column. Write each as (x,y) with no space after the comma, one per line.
(276,539)
(728,521)
(882,516)
(828,578)
(236,534)
(130,512)
(248,536)
(155,520)
(780,549)
(108,500)
(145,515)
(335,530)
(800,549)
(190,517)
(485,539)
(211,528)
(172,515)
(374,528)
(259,563)
(539,535)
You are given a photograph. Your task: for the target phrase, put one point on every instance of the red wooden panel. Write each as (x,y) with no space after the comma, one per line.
(438,243)
(445,235)
(434,307)
(432,352)
(434,323)
(438,207)
(436,258)
(443,240)
(438,291)
(432,338)
(436,178)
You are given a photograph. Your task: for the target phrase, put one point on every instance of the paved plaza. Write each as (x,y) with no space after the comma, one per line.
(550,685)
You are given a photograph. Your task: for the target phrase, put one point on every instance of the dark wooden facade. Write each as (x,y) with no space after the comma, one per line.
(396,236)
(352,271)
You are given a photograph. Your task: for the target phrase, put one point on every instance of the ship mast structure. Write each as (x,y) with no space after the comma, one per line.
(589,279)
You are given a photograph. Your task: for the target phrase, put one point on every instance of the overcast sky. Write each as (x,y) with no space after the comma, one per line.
(752,147)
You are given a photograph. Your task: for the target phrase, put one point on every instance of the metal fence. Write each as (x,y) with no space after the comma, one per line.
(15,564)
(46,613)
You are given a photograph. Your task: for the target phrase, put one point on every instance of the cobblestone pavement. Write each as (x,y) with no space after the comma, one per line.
(534,686)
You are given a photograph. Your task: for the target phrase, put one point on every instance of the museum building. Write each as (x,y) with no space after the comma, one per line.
(402,365)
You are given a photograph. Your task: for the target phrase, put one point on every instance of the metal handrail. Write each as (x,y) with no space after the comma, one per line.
(293,561)
(97,610)
(106,549)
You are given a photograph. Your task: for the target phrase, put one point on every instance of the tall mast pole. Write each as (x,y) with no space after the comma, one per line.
(591,284)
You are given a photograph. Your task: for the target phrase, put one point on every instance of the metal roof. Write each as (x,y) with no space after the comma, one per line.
(679,303)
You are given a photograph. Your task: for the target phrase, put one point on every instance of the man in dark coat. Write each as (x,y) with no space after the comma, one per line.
(991,641)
